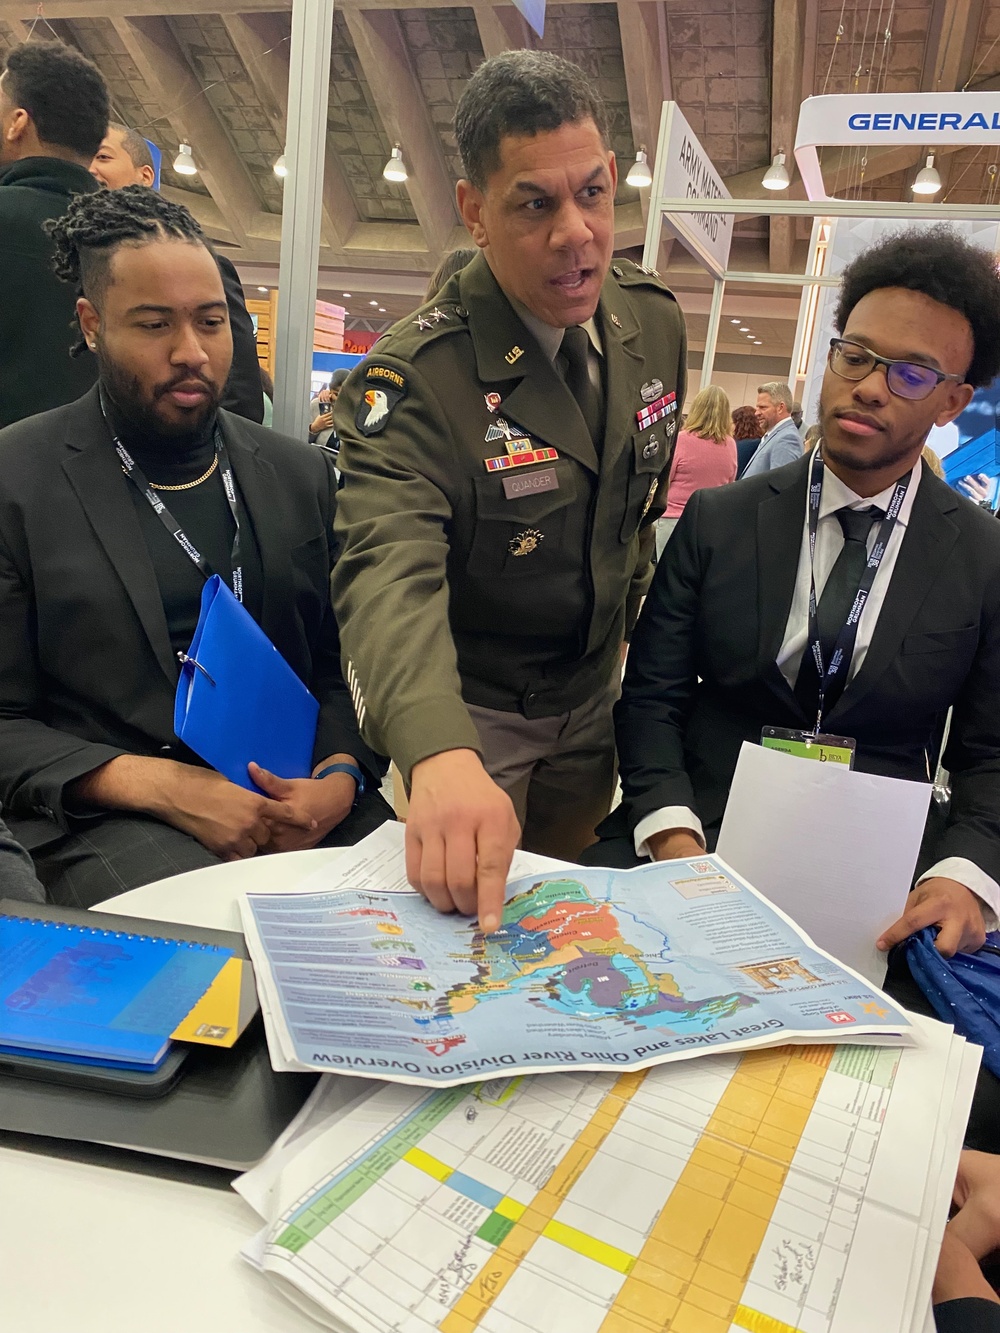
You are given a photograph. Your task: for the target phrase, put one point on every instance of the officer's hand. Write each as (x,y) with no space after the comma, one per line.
(461,832)
(945,903)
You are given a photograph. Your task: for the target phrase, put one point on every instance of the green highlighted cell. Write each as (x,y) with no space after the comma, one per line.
(347,1188)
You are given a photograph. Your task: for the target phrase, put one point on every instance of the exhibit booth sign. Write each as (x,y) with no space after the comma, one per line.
(863,121)
(868,120)
(684,168)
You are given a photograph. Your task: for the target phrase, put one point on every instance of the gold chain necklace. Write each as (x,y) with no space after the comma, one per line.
(188,485)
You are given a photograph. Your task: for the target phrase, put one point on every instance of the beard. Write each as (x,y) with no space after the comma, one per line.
(140,411)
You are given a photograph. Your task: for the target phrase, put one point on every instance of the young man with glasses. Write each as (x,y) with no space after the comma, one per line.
(906,618)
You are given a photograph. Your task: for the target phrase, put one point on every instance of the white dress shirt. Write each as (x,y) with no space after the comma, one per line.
(829,543)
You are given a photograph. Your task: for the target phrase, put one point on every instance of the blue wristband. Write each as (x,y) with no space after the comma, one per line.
(352,769)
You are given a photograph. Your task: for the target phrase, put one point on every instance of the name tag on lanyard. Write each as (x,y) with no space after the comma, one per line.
(820,745)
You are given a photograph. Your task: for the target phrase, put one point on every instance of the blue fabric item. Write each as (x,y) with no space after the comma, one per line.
(964,990)
(238,699)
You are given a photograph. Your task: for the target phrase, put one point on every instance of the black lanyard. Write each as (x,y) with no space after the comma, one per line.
(135,475)
(843,651)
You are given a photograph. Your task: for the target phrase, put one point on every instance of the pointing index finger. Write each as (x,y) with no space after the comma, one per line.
(494,857)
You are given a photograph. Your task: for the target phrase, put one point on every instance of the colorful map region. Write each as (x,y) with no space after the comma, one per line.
(568,952)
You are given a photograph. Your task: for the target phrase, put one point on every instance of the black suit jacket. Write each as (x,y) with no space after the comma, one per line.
(86,668)
(702,677)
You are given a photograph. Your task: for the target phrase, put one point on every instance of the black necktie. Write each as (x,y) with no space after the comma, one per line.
(575,348)
(836,602)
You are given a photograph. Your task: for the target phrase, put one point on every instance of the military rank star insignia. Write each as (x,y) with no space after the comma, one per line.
(423,322)
(437,315)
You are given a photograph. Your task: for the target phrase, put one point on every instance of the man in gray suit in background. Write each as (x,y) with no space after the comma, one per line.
(781,443)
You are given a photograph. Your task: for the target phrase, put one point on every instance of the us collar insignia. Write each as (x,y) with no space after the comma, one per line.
(525,542)
(656,411)
(385,388)
(513,355)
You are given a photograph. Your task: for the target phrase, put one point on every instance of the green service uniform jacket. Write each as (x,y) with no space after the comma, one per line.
(502,584)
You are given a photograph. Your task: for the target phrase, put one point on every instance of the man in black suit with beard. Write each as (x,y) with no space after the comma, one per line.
(98,595)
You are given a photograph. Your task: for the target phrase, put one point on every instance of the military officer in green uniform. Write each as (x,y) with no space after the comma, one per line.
(504,453)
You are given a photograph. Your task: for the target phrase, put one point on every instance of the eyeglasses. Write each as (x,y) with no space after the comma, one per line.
(906,379)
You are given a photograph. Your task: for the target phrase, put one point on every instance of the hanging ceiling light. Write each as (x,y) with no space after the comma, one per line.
(639,173)
(184,161)
(280,169)
(776,176)
(927,181)
(395,168)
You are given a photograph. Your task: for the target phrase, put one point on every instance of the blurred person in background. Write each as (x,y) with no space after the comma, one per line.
(796,415)
(704,455)
(452,263)
(321,428)
(812,437)
(780,443)
(746,433)
(54,113)
(124,159)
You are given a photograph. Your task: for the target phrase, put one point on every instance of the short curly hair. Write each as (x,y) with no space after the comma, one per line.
(521,93)
(947,268)
(64,94)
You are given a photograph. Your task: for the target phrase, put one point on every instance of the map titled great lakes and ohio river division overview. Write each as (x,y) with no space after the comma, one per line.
(590,969)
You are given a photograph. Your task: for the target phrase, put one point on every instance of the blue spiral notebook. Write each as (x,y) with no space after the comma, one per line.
(97,995)
(238,699)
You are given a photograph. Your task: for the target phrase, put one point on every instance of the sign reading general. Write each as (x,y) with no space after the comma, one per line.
(876,119)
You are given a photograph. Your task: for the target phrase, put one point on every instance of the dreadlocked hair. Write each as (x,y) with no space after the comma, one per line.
(93,227)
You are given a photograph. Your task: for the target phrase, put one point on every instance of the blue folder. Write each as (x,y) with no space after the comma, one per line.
(238,699)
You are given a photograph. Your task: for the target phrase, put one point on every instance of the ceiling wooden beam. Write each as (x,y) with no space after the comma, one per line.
(262,42)
(788,26)
(82,9)
(501,28)
(381,49)
(157,54)
(951,44)
(647,78)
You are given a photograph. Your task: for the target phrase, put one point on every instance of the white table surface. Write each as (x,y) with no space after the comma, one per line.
(98,1250)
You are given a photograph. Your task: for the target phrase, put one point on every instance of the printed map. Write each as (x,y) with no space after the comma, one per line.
(590,969)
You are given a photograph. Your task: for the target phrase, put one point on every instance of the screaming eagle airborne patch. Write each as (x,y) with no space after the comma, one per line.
(384,388)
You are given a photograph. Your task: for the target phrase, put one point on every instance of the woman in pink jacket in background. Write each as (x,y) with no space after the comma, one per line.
(704,455)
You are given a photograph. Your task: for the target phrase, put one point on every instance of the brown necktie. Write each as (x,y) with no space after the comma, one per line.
(575,349)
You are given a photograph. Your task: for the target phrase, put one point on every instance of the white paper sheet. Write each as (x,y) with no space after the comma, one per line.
(835,849)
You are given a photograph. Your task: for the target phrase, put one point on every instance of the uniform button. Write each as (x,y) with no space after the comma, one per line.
(617,271)
(530,698)
(461,312)
(166,749)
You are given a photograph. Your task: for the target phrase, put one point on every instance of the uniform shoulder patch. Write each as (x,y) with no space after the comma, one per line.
(384,388)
